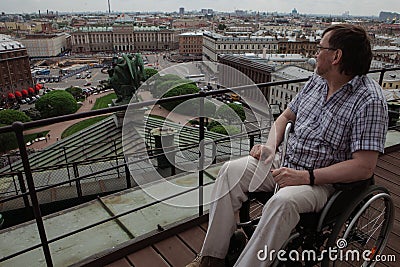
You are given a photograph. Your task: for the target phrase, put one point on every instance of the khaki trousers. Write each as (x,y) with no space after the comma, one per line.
(280,214)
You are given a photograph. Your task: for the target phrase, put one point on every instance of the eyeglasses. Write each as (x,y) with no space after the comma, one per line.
(319,48)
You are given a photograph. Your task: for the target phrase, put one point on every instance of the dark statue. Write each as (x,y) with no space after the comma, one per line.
(126,75)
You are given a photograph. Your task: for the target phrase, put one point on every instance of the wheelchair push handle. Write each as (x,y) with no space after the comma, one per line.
(288,129)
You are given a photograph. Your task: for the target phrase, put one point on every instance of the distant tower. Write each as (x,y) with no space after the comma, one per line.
(109,8)
(181,10)
(295,13)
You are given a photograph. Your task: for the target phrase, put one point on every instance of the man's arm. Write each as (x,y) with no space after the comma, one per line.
(360,167)
(275,137)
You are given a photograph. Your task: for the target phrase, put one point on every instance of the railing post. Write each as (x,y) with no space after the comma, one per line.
(127,175)
(116,156)
(78,182)
(214,152)
(23,188)
(251,141)
(66,162)
(381,76)
(201,153)
(18,128)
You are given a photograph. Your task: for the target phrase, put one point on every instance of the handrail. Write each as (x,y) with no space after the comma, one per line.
(19,127)
(177,149)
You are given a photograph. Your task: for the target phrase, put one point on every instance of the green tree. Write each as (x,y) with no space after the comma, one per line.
(225,112)
(182,89)
(160,87)
(150,72)
(225,129)
(212,124)
(8,116)
(164,86)
(7,140)
(75,91)
(56,103)
(33,113)
(221,27)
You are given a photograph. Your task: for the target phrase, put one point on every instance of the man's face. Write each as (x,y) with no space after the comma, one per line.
(324,56)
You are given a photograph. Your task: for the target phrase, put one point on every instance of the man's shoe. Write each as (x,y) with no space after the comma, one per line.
(206,261)
(195,262)
(236,246)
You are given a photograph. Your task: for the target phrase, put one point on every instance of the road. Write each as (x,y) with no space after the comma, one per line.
(96,76)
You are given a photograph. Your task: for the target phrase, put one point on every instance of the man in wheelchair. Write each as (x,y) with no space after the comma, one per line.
(340,123)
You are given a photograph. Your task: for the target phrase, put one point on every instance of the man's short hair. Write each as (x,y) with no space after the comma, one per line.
(355,45)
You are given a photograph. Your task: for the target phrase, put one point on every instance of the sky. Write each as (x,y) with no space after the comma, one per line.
(333,7)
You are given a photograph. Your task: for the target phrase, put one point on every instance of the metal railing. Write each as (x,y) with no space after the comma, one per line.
(32,192)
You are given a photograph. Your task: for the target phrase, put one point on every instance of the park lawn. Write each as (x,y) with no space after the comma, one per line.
(81,125)
(102,102)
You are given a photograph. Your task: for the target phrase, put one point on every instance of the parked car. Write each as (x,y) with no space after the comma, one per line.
(87,84)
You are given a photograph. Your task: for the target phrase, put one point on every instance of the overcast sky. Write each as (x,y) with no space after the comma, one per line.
(334,7)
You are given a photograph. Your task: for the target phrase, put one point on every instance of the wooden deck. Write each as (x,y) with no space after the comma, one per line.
(181,248)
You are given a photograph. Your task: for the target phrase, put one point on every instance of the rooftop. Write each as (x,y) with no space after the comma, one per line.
(7,43)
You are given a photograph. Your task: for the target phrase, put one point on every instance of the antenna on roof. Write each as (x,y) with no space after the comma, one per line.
(109,9)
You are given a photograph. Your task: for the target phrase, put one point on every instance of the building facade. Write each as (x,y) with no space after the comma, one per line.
(303,47)
(191,43)
(257,72)
(215,44)
(46,45)
(123,38)
(92,40)
(15,73)
(283,94)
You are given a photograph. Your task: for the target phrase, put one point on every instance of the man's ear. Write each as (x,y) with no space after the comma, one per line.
(338,56)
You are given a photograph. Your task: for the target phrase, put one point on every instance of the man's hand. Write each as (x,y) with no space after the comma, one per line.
(263,152)
(287,177)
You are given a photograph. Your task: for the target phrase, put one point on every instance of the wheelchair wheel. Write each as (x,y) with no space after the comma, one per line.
(361,232)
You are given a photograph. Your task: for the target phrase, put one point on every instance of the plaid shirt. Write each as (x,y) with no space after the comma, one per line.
(327,132)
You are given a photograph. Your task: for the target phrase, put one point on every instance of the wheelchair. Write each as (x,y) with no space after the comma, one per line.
(354,224)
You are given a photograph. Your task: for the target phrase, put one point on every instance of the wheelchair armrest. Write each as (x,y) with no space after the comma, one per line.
(353,185)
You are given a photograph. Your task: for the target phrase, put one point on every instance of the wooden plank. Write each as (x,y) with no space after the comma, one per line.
(204,226)
(395,154)
(174,251)
(388,167)
(387,175)
(389,253)
(394,242)
(390,159)
(119,263)
(147,257)
(393,188)
(194,238)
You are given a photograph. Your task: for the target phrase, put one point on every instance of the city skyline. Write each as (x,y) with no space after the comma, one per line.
(335,7)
